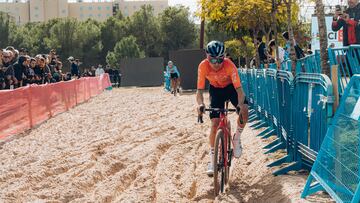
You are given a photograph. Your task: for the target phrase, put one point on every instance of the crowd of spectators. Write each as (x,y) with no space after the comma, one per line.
(18,69)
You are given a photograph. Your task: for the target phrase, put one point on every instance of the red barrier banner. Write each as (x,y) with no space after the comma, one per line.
(23,108)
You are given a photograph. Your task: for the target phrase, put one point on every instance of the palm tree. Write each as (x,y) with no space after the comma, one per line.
(293,58)
(323,37)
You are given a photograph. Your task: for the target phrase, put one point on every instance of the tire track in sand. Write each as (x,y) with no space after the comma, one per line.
(126,145)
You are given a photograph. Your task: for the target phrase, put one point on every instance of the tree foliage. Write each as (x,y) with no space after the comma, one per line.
(177,29)
(125,48)
(95,42)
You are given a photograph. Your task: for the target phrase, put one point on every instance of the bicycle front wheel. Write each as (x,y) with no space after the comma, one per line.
(219,163)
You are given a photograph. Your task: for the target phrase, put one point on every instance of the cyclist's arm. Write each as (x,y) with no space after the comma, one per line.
(241,96)
(200,85)
(237,84)
(200,97)
(167,70)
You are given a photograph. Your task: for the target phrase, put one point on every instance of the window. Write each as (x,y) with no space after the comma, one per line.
(107,15)
(81,8)
(36,8)
(99,15)
(63,11)
(91,15)
(36,15)
(108,8)
(99,8)
(81,15)
(90,8)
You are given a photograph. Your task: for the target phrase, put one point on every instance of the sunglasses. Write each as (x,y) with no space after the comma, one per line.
(6,56)
(215,60)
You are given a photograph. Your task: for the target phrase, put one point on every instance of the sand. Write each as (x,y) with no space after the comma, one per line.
(134,145)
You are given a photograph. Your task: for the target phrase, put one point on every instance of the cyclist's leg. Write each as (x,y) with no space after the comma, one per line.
(233,97)
(172,83)
(232,94)
(178,83)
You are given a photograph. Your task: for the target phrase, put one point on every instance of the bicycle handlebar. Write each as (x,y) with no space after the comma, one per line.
(200,117)
(220,110)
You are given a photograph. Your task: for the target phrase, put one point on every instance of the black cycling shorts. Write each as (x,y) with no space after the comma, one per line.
(174,75)
(218,97)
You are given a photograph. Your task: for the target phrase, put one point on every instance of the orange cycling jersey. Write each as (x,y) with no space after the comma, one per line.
(221,78)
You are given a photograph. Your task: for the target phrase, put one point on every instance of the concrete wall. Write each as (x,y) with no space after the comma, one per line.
(145,72)
(187,61)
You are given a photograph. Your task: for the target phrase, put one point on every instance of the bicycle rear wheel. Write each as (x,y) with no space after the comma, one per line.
(219,163)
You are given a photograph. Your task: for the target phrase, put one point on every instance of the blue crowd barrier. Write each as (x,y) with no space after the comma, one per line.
(348,61)
(309,64)
(299,111)
(337,166)
(279,101)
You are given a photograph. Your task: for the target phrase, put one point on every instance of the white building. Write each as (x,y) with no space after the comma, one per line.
(24,11)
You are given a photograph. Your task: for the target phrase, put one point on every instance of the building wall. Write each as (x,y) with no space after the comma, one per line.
(63,8)
(44,10)
(128,8)
(19,11)
(97,11)
(37,9)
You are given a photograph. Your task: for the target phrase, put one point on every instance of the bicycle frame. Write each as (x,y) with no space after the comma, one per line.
(224,126)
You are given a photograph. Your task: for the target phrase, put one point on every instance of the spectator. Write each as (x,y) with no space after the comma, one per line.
(298,51)
(99,71)
(86,73)
(117,77)
(272,52)
(57,74)
(42,72)
(262,51)
(110,71)
(2,73)
(20,70)
(92,70)
(14,54)
(74,68)
(8,69)
(349,20)
(30,74)
(23,52)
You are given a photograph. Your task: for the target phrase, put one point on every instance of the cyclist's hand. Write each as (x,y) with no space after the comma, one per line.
(201,111)
(243,111)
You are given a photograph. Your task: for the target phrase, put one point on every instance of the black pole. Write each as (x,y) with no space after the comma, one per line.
(202,30)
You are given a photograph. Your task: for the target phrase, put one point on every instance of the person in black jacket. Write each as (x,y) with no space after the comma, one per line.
(349,21)
(20,70)
(74,67)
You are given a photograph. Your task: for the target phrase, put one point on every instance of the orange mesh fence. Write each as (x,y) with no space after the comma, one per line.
(23,108)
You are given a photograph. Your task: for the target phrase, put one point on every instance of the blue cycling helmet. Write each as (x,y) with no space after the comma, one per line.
(215,49)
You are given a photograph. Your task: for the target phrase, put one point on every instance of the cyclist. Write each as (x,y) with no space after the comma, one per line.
(224,85)
(174,73)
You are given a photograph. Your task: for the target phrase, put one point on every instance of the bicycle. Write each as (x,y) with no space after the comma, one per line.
(223,150)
